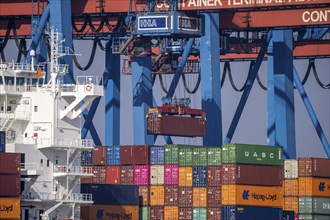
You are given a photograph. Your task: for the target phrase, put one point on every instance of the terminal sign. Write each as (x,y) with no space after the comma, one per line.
(188,23)
(153,23)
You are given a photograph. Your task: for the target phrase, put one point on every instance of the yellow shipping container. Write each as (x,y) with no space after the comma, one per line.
(156,195)
(251,195)
(290,187)
(185,176)
(310,186)
(171,213)
(199,197)
(10,208)
(291,203)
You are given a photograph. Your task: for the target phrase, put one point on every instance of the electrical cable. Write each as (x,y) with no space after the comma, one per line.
(83,27)
(91,59)
(187,87)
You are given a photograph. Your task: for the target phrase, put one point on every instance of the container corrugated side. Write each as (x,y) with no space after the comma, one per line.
(99,173)
(171,154)
(185,196)
(251,195)
(171,174)
(157,155)
(200,176)
(126,155)
(311,186)
(199,156)
(171,195)
(157,195)
(316,167)
(314,205)
(313,217)
(200,213)
(10,163)
(214,196)
(112,175)
(214,213)
(144,213)
(10,185)
(10,208)
(109,212)
(249,174)
(185,176)
(290,169)
(99,155)
(127,175)
(214,175)
(157,213)
(142,175)
(113,155)
(157,174)
(141,154)
(144,195)
(290,187)
(250,213)
(287,215)
(252,154)
(214,156)
(185,213)
(171,212)
(185,155)
(199,197)
(87,158)
(290,203)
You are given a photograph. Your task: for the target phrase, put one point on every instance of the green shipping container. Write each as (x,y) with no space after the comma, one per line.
(144,213)
(252,154)
(171,154)
(314,205)
(199,156)
(214,156)
(199,214)
(185,155)
(313,217)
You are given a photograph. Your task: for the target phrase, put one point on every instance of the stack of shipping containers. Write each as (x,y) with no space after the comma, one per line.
(10,164)
(251,182)
(290,186)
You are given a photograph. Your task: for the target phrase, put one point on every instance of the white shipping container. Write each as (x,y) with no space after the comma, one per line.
(157,174)
(290,169)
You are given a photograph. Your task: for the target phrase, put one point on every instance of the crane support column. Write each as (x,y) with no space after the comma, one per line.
(112,97)
(142,98)
(281,123)
(210,80)
(60,19)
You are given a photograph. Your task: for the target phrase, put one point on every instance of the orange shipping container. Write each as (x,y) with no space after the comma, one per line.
(171,212)
(10,208)
(199,197)
(310,186)
(251,195)
(290,203)
(290,187)
(112,175)
(185,176)
(157,195)
(109,212)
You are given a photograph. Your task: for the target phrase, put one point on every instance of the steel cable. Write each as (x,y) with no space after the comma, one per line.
(196,86)
(91,25)
(162,83)
(91,59)
(83,27)
(324,86)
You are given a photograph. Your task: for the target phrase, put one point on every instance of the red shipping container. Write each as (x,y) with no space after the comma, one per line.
(141,154)
(157,213)
(185,196)
(99,155)
(126,155)
(127,175)
(86,180)
(144,195)
(112,175)
(213,196)
(316,167)
(171,195)
(142,175)
(10,185)
(10,163)
(185,213)
(99,174)
(214,175)
(214,213)
(171,173)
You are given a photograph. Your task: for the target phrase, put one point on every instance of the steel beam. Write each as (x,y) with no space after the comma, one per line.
(280,105)
(142,98)
(210,80)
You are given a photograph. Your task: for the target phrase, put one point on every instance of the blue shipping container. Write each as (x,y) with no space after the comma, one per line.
(199,176)
(113,155)
(2,141)
(156,155)
(87,158)
(250,212)
(108,194)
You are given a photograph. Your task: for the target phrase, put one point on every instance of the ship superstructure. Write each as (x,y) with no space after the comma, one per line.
(42,121)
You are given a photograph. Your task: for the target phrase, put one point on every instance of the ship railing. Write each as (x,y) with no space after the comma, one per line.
(83,80)
(73,169)
(68,88)
(21,66)
(77,197)
(17,88)
(30,166)
(56,142)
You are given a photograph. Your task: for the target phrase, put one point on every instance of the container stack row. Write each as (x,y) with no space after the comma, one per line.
(10,183)
(306,188)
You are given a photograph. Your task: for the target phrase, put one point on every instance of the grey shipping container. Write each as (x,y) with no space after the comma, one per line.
(144,213)
(199,213)
(313,217)
(314,205)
